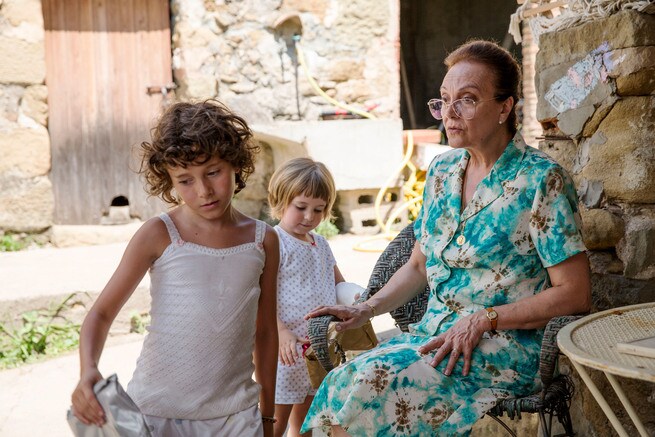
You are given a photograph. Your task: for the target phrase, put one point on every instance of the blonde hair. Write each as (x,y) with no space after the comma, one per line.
(300,176)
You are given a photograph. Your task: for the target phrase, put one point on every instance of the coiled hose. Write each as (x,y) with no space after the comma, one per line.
(412,189)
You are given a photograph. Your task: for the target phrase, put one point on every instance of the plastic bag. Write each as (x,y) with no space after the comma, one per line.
(124,419)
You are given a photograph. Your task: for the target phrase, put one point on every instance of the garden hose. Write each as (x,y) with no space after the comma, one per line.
(412,189)
(301,60)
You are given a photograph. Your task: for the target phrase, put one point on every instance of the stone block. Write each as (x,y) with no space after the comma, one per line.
(640,83)
(611,291)
(562,151)
(599,115)
(20,11)
(258,181)
(634,70)
(362,221)
(343,69)
(527,425)
(354,90)
(27,64)
(637,248)
(255,195)
(252,109)
(315,7)
(622,156)
(573,121)
(196,86)
(27,204)
(349,200)
(570,92)
(34,104)
(621,30)
(589,192)
(600,228)
(604,263)
(357,208)
(582,156)
(25,152)
(10,100)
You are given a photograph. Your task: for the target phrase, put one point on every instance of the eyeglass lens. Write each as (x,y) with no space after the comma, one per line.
(464,108)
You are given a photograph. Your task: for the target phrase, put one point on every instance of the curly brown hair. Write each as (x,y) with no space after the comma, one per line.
(194,133)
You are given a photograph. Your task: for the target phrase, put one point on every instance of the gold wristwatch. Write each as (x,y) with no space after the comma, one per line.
(492,315)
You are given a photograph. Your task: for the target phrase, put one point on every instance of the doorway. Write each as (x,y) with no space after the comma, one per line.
(429,30)
(101,58)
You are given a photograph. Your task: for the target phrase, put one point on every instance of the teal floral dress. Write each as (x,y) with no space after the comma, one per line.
(522,219)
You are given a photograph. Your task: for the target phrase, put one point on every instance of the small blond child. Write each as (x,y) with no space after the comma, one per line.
(301,195)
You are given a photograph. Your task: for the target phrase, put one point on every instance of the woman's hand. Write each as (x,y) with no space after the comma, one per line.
(288,350)
(85,404)
(351,316)
(459,340)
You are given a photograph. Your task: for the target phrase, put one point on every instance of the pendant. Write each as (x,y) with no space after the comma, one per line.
(461,240)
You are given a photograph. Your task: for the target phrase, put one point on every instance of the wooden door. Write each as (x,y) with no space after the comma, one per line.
(101,56)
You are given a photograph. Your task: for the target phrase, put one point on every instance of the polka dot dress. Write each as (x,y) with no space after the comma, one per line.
(305,281)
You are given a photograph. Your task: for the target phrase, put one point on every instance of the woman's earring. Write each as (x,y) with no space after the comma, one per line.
(500,121)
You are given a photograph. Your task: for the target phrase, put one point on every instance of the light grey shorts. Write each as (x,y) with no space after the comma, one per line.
(245,423)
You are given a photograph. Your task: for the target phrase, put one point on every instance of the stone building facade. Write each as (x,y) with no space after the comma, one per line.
(245,53)
(596,102)
(26,199)
(241,52)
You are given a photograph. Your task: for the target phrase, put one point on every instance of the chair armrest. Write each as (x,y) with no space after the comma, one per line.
(549,349)
(317,330)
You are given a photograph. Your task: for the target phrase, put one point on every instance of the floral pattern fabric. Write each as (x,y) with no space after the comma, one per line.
(522,219)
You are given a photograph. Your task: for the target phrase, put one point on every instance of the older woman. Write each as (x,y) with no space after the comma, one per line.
(498,242)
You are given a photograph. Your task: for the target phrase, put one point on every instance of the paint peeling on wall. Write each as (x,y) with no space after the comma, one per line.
(581,79)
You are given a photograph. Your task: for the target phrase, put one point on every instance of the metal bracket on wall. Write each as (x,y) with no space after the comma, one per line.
(160,89)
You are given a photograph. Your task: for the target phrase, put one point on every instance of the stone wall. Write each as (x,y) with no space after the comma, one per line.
(240,52)
(244,54)
(26,198)
(597,107)
(530,126)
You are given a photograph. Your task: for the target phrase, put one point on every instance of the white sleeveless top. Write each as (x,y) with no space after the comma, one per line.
(197,358)
(305,279)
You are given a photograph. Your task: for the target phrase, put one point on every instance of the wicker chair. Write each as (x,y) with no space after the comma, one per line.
(553,400)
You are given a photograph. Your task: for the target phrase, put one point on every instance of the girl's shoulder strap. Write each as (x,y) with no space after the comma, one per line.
(260,232)
(170,226)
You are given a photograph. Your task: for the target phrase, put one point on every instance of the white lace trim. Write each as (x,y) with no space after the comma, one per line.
(177,241)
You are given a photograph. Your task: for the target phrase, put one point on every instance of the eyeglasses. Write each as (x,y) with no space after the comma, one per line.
(463,108)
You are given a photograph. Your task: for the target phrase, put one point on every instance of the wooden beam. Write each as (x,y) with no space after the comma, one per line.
(544,8)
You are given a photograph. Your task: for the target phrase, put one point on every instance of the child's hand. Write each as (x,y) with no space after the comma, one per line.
(85,404)
(288,349)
